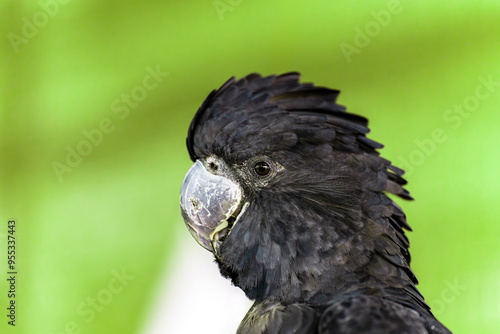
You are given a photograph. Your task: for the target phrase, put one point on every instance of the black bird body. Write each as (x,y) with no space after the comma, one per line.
(318,245)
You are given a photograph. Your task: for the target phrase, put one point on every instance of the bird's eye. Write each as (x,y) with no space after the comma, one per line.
(262,168)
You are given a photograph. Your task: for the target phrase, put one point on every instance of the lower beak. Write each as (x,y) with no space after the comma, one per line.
(207,203)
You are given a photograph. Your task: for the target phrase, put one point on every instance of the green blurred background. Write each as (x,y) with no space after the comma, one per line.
(119,82)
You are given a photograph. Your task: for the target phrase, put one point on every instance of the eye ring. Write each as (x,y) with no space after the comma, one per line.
(262,168)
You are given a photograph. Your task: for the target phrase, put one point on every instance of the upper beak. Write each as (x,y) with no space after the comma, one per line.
(207,203)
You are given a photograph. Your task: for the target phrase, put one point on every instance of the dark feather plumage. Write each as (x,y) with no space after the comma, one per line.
(321,247)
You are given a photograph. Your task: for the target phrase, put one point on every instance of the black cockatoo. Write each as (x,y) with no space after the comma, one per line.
(290,196)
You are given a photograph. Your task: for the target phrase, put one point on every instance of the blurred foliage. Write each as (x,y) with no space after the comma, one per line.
(68,66)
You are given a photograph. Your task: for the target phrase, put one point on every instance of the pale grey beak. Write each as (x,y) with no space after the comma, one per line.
(209,204)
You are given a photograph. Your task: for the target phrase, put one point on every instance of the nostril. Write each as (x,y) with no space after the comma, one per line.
(213,166)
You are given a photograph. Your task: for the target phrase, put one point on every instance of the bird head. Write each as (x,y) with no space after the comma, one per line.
(286,190)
